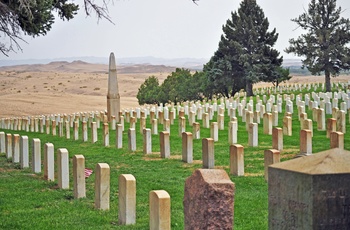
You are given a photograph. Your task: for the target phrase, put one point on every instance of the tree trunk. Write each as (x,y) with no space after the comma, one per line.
(249,89)
(328,81)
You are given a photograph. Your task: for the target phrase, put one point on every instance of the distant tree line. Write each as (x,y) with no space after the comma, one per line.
(183,85)
(179,86)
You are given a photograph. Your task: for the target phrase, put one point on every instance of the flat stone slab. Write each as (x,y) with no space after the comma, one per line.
(326,162)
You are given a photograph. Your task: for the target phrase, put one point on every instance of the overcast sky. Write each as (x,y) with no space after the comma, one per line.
(159,28)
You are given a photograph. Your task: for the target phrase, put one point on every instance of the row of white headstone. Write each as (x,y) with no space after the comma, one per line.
(248,116)
(16,148)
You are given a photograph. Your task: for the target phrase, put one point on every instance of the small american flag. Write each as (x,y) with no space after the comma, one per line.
(88,172)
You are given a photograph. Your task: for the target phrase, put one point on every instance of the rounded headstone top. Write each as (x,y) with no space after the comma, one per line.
(333,161)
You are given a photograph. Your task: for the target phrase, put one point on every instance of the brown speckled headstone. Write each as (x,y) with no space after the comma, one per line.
(209,200)
(311,192)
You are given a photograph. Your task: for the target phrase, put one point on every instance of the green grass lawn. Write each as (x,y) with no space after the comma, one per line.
(27,201)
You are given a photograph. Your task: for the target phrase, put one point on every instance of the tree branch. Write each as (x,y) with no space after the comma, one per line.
(100,11)
(10,28)
(12,11)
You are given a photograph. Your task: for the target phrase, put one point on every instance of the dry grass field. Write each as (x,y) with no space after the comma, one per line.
(62,87)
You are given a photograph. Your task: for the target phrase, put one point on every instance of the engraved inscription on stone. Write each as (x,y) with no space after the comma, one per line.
(311,192)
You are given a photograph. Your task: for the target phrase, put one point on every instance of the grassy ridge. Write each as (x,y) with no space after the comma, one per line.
(27,201)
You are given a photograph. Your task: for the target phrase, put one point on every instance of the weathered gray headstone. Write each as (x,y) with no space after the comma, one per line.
(311,192)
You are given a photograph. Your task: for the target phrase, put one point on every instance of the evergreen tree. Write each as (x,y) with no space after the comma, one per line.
(176,87)
(148,91)
(179,86)
(245,55)
(325,45)
(280,75)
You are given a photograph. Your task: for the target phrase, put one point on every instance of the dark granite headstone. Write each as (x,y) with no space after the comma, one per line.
(311,192)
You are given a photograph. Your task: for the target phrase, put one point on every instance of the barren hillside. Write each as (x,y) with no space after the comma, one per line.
(68,87)
(62,87)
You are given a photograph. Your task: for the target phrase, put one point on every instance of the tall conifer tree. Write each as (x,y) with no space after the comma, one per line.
(325,45)
(245,54)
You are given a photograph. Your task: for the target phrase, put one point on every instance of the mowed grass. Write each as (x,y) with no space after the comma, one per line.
(27,201)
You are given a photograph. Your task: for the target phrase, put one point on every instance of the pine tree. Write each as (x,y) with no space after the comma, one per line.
(245,55)
(148,91)
(325,43)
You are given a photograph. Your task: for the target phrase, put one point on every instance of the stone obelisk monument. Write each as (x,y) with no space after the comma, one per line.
(113,98)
